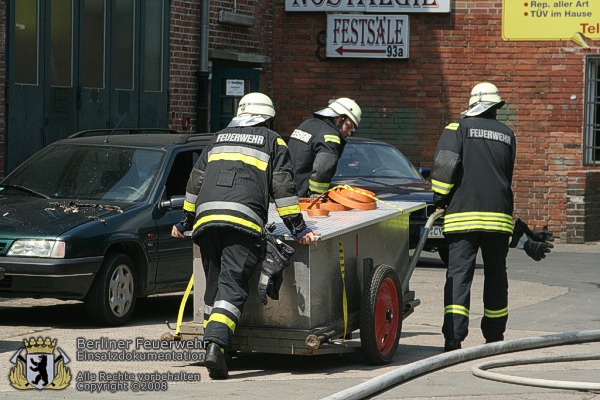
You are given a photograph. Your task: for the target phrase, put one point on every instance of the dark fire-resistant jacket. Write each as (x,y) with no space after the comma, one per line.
(232,181)
(473,171)
(315,146)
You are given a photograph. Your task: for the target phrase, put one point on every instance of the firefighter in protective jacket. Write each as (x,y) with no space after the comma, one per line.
(472,178)
(317,145)
(226,208)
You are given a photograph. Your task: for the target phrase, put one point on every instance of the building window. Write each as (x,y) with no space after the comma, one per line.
(61,43)
(125,44)
(591,140)
(94,49)
(26,42)
(153,45)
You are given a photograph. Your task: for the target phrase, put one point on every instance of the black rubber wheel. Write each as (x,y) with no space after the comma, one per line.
(444,255)
(112,297)
(381,315)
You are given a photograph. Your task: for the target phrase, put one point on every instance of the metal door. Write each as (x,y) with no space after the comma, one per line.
(228,87)
(75,65)
(25,89)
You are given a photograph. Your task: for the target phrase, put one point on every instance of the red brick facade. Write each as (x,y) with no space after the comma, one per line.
(2,84)
(408,102)
(405,101)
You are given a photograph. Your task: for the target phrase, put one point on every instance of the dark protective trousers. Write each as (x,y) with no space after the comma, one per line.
(457,291)
(229,258)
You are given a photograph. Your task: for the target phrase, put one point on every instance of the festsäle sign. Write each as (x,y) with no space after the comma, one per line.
(379,6)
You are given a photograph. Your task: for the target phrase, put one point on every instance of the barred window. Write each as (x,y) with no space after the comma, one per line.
(591,141)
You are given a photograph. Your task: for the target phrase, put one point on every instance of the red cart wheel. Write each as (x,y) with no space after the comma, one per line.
(381,315)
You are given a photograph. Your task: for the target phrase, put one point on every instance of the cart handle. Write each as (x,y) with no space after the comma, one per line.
(428,225)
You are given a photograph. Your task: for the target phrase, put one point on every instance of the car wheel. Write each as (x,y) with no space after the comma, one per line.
(112,297)
(444,255)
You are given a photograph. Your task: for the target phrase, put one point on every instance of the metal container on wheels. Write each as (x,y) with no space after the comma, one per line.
(356,277)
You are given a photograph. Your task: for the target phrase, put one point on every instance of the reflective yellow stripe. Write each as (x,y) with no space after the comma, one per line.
(228,218)
(332,138)
(281,142)
(478,226)
(453,126)
(441,187)
(255,162)
(317,187)
(478,220)
(479,215)
(187,206)
(456,309)
(283,211)
(495,313)
(224,319)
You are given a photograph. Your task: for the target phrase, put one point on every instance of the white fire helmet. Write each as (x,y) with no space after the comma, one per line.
(254,108)
(342,106)
(484,96)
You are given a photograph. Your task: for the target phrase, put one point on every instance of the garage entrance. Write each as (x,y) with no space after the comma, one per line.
(75,65)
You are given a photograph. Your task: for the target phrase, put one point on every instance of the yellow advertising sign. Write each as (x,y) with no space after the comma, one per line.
(550,20)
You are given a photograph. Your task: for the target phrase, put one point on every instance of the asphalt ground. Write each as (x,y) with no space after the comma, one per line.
(559,294)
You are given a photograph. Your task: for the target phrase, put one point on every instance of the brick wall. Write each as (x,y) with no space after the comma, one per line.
(583,207)
(184,62)
(408,102)
(2,84)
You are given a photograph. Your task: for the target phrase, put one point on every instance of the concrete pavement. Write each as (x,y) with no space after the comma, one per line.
(559,294)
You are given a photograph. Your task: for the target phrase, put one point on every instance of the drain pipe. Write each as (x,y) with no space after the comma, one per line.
(430,364)
(202,97)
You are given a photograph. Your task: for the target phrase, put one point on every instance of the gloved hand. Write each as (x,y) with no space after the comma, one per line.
(537,250)
(543,236)
(535,243)
(271,276)
(440,201)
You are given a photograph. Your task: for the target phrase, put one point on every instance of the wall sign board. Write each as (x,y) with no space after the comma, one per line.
(367,36)
(234,87)
(550,20)
(378,6)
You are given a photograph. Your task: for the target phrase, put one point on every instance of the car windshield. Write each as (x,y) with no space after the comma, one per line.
(372,160)
(87,172)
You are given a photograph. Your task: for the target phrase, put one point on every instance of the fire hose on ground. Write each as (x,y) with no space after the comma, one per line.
(404,373)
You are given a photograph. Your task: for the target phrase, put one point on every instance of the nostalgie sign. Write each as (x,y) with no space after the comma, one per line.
(367,36)
(372,6)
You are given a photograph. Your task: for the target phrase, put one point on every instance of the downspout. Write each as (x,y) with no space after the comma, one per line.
(202,109)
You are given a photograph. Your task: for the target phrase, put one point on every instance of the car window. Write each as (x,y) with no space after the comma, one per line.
(91,172)
(375,160)
(180,172)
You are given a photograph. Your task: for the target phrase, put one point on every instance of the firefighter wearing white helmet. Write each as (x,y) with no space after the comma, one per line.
(253,109)
(472,178)
(226,208)
(317,145)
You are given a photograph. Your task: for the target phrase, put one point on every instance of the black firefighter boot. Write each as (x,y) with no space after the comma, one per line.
(215,362)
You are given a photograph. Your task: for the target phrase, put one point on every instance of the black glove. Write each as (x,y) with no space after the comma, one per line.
(544,236)
(271,276)
(440,201)
(537,250)
(535,243)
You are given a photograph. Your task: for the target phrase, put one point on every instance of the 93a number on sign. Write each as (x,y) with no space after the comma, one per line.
(395,51)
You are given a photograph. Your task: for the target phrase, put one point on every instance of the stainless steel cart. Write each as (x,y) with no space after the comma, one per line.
(356,277)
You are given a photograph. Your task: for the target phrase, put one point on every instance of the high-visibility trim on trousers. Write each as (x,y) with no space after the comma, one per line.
(456,309)
(223,319)
(495,313)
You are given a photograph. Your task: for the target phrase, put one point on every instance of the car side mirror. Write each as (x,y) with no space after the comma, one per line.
(174,203)
(425,172)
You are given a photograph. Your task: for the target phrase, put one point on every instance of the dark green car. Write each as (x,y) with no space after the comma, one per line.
(89,218)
